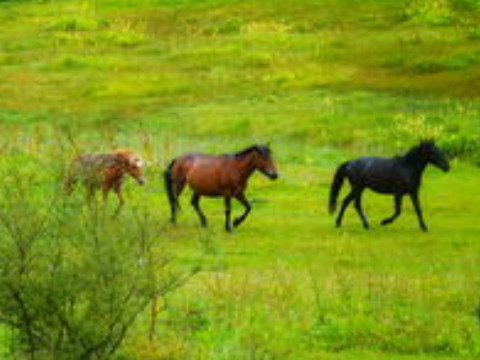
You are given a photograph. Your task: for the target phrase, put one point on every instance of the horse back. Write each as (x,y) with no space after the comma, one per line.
(206,174)
(384,175)
(92,168)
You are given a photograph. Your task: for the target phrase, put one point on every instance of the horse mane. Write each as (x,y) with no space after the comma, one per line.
(129,156)
(123,153)
(261,149)
(414,154)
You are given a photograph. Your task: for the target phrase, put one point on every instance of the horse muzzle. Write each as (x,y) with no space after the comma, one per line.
(141,181)
(272,175)
(445,166)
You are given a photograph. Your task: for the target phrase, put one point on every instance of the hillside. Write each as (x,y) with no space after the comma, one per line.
(340,70)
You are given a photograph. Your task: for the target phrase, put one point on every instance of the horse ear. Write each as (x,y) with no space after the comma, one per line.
(427,141)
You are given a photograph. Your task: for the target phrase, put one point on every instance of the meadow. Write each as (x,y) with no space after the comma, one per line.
(322,81)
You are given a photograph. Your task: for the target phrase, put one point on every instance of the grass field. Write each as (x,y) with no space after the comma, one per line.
(323,81)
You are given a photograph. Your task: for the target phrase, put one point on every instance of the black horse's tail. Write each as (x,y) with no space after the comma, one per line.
(336,186)
(170,188)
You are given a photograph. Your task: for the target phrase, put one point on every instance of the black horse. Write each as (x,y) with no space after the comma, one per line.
(398,176)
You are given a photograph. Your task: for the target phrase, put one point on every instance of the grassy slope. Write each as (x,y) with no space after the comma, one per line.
(345,73)
(115,63)
(324,80)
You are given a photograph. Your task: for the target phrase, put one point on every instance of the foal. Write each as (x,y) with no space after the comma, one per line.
(398,176)
(105,172)
(216,176)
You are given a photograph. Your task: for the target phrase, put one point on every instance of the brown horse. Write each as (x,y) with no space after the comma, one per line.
(224,176)
(105,172)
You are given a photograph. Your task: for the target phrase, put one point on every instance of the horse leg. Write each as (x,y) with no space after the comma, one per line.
(91,198)
(68,186)
(398,210)
(348,199)
(228,210)
(118,190)
(106,187)
(196,205)
(358,207)
(418,210)
(241,197)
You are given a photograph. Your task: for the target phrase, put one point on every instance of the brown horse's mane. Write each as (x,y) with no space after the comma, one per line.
(261,149)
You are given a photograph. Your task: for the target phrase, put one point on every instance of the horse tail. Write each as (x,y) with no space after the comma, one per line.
(68,184)
(70,178)
(336,186)
(170,186)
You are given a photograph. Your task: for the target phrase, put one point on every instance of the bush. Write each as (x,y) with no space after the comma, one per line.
(466,5)
(73,281)
(430,12)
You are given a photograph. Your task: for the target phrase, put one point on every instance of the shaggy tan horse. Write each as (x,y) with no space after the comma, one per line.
(105,172)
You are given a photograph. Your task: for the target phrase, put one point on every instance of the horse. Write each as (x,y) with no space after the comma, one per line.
(398,176)
(106,172)
(217,176)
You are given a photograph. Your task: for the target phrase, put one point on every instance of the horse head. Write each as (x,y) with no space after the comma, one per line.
(432,154)
(264,162)
(132,164)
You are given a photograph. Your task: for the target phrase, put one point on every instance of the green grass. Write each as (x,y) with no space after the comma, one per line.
(288,284)
(324,81)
